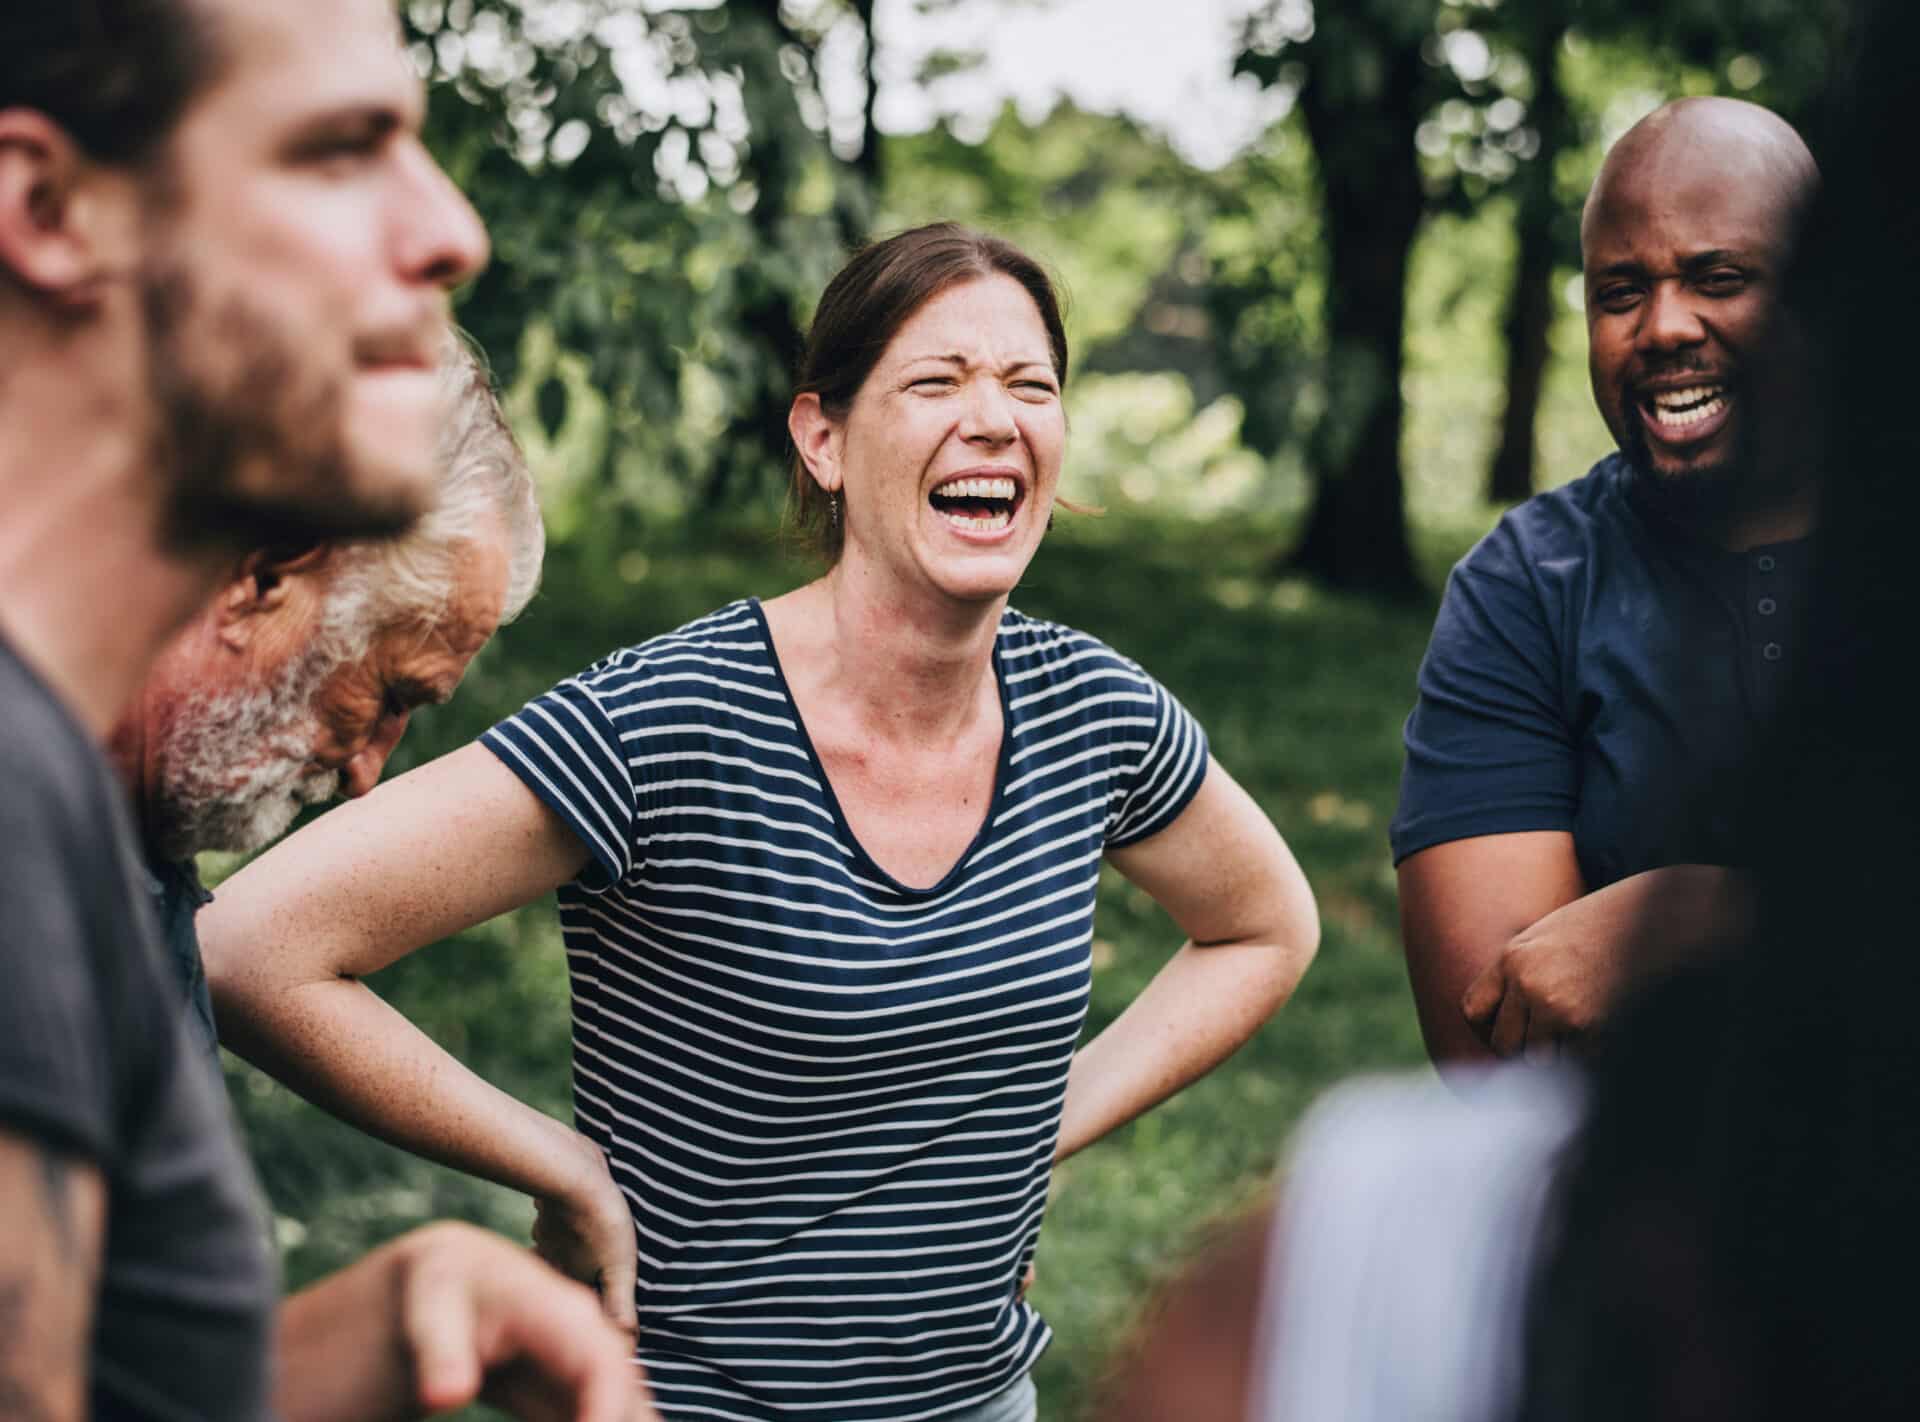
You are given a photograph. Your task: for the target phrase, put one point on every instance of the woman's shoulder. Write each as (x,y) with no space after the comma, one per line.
(717,670)
(724,642)
(1032,648)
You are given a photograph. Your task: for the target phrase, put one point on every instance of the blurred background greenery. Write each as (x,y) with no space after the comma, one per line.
(1322,268)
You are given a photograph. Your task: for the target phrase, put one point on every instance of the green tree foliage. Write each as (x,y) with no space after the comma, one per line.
(665,205)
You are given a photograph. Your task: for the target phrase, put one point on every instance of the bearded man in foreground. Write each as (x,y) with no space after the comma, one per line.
(225,255)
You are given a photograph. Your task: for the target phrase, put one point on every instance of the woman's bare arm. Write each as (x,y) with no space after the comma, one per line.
(1223,873)
(423,857)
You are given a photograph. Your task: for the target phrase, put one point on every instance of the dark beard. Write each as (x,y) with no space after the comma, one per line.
(1699,498)
(255,459)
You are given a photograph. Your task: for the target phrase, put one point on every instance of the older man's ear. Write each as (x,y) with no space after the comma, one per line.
(269,583)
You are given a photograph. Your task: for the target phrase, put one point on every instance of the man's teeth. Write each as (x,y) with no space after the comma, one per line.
(1676,409)
(987,488)
(983,525)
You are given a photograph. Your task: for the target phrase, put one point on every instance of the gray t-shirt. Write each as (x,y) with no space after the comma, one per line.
(94,1062)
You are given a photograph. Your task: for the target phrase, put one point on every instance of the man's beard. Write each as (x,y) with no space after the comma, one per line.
(1699,497)
(255,456)
(235,768)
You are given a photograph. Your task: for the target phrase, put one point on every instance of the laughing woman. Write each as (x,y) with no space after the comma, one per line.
(826,869)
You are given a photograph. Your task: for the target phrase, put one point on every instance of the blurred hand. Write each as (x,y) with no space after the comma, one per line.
(1026,1282)
(480,1318)
(1551,983)
(587,1234)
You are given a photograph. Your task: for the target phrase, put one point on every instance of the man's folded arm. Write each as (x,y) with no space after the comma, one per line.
(1489,791)
(1461,904)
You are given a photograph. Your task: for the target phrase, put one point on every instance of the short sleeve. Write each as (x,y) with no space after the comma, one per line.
(1488,747)
(1164,777)
(54,1078)
(59,889)
(567,750)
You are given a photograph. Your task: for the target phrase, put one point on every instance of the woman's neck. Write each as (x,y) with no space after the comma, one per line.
(905,666)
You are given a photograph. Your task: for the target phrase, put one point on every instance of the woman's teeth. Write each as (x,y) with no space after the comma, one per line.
(991,487)
(980,525)
(978,505)
(1676,409)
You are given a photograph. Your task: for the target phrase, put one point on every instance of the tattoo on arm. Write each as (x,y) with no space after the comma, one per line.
(52,1227)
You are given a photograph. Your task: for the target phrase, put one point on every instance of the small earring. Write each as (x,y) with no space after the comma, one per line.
(1049,523)
(833,507)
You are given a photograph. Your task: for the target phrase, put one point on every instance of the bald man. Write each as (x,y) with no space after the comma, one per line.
(1605,661)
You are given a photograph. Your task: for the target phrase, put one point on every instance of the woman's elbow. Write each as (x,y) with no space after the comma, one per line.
(1294,936)
(1295,914)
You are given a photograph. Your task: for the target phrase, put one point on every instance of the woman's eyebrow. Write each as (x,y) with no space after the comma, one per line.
(956,359)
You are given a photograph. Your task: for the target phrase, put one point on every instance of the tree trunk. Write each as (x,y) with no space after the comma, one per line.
(868,163)
(1356,534)
(1531,301)
(757,443)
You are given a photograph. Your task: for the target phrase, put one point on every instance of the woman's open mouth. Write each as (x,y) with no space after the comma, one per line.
(978,503)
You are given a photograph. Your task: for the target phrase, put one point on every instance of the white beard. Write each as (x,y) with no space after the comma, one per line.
(235,767)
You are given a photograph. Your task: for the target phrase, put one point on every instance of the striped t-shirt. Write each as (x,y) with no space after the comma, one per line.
(832,1100)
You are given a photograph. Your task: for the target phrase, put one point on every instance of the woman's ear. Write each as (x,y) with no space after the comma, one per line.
(818,438)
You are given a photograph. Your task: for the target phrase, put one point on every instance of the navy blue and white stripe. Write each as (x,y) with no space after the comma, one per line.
(832,1100)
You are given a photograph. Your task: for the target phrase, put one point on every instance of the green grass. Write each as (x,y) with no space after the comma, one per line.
(1302,693)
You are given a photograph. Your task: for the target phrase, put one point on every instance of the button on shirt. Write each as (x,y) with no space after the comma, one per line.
(1598,669)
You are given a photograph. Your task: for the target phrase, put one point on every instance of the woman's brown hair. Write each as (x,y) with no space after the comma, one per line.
(863,307)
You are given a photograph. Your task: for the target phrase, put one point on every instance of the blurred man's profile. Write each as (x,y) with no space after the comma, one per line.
(224,265)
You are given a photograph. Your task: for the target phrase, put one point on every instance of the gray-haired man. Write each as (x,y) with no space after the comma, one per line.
(297,680)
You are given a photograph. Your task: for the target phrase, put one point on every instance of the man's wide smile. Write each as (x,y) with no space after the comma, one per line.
(1684,413)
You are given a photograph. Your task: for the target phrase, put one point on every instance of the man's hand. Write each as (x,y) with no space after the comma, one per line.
(1462,904)
(588,1235)
(1551,982)
(1557,978)
(445,1315)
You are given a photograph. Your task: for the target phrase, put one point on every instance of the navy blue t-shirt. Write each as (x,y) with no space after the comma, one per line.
(1599,669)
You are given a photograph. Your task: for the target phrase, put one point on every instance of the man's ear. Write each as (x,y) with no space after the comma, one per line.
(67,224)
(262,586)
(818,439)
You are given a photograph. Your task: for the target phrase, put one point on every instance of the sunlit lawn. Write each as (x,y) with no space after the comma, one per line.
(1302,694)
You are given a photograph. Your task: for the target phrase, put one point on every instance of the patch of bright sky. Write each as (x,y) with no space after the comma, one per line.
(1166,63)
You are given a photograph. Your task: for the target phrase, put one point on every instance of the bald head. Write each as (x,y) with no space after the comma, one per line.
(1691,143)
(1685,245)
